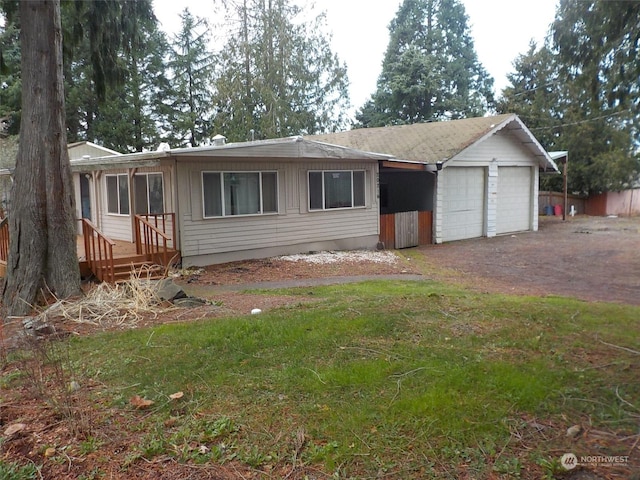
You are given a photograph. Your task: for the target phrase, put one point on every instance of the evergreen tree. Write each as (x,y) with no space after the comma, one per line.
(134,117)
(535,92)
(597,43)
(430,70)
(578,95)
(81,101)
(191,65)
(10,84)
(42,229)
(124,111)
(277,76)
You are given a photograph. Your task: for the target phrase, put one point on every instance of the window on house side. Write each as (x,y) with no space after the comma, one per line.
(336,189)
(239,193)
(149,195)
(118,194)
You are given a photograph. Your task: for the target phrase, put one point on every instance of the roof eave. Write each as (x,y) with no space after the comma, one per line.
(112,162)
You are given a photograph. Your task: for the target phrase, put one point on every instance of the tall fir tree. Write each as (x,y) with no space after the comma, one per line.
(122,111)
(191,66)
(42,250)
(135,116)
(430,70)
(277,75)
(580,93)
(536,93)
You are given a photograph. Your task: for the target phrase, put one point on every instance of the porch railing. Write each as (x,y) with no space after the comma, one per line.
(155,236)
(4,240)
(99,252)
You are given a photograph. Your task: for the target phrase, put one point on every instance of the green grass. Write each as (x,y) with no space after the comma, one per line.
(11,471)
(412,377)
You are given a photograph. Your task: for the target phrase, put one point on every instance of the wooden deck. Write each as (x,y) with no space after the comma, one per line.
(113,260)
(122,248)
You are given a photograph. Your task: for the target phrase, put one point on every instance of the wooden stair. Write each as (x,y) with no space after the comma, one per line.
(137,266)
(154,247)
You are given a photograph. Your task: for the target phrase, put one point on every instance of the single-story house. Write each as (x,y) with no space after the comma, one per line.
(478,176)
(235,201)
(440,181)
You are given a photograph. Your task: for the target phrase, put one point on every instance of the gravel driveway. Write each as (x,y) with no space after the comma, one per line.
(590,258)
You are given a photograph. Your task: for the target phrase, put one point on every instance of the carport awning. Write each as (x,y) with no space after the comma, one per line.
(406,165)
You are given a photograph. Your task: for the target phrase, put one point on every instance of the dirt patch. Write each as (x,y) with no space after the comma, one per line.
(589,258)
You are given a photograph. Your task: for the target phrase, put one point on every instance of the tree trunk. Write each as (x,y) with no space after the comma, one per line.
(42,230)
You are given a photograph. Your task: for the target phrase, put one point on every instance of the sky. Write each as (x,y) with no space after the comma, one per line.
(501,29)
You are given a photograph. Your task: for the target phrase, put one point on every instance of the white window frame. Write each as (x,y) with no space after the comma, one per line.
(146,174)
(324,191)
(118,177)
(225,214)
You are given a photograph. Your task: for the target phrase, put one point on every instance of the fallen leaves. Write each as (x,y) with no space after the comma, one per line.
(14,428)
(140,403)
(176,396)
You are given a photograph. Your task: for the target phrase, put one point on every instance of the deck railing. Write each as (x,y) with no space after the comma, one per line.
(153,239)
(4,240)
(99,252)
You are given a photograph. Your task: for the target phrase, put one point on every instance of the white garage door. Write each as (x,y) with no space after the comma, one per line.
(463,203)
(514,199)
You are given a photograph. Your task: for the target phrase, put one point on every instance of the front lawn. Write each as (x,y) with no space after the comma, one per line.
(375,380)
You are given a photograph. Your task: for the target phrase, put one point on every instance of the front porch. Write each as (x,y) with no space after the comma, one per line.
(109,260)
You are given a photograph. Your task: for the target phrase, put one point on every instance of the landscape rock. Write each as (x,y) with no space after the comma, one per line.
(14,428)
(574,431)
(189,302)
(168,291)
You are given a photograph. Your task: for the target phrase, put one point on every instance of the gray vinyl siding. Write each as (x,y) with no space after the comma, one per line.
(293,225)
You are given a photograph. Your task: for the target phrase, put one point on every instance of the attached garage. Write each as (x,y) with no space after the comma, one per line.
(486,171)
(515,185)
(463,202)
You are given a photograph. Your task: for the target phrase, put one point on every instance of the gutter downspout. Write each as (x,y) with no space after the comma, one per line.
(176,206)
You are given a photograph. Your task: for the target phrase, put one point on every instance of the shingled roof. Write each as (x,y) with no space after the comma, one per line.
(432,142)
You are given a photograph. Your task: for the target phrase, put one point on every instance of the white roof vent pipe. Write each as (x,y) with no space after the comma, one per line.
(219,140)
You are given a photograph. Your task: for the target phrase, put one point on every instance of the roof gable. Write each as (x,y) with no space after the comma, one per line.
(84,149)
(436,141)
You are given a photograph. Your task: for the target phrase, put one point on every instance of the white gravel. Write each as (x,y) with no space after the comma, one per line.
(348,256)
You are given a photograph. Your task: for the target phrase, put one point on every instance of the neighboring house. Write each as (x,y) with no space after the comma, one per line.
(236,201)
(479,176)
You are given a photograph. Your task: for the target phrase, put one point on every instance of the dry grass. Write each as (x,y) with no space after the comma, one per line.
(107,305)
